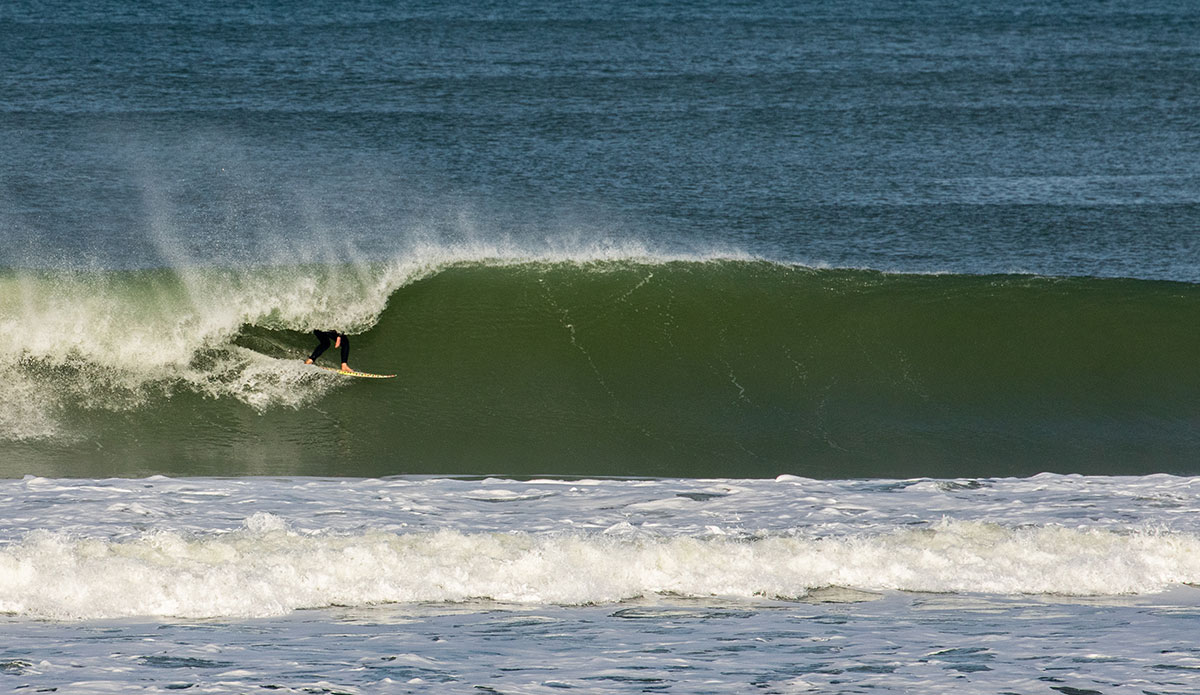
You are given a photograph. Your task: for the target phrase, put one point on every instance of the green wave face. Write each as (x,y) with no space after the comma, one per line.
(683,368)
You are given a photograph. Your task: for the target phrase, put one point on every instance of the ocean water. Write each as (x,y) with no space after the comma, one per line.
(767,346)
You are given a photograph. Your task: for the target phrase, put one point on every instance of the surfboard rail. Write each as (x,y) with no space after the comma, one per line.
(366,375)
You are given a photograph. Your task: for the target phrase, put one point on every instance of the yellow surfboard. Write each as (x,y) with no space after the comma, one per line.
(367,375)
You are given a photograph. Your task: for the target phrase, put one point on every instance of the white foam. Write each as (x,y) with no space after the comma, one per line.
(267,569)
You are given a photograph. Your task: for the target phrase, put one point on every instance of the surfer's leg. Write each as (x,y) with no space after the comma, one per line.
(322,336)
(345,353)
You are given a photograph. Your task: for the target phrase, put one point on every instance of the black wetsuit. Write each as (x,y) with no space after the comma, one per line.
(326,337)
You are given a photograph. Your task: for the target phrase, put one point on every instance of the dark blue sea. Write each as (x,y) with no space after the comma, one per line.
(772,346)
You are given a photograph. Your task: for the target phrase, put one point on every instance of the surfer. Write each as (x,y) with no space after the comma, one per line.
(339,341)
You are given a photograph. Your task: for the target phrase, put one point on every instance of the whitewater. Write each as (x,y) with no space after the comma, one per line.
(636,583)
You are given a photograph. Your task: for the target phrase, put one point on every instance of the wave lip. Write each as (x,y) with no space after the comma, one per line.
(266,569)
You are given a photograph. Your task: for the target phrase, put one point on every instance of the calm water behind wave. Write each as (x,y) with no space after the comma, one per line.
(925,136)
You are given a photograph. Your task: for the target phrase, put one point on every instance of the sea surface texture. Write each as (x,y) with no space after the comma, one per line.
(739,346)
